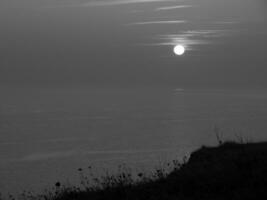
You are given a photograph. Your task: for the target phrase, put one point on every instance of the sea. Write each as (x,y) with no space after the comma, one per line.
(47,134)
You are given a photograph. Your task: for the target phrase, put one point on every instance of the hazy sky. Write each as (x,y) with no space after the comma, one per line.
(126,42)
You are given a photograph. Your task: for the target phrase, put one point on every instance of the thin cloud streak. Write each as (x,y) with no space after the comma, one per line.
(189,39)
(158,22)
(121,2)
(226,22)
(100,3)
(173,7)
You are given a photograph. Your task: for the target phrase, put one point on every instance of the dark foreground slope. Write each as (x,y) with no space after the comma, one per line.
(230,171)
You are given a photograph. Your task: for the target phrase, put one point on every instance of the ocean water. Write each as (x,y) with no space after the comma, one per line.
(46,134)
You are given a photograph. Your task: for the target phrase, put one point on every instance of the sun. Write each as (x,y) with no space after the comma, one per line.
(179,50)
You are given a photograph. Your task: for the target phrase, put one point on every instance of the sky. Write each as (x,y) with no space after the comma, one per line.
(130,42)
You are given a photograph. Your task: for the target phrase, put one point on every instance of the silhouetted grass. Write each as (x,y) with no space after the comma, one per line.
(229,171)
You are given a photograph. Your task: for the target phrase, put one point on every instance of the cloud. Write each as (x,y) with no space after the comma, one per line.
(226,22)
(159,22)
(173,7)
(114,2)
(189,39)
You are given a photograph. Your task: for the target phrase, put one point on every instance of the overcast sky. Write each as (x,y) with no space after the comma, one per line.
(121,42)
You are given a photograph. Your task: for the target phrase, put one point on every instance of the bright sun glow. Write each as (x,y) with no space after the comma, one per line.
(179,50)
